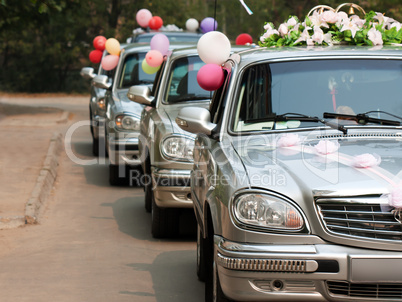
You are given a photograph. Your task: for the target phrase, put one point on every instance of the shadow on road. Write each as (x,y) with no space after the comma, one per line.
(174,277)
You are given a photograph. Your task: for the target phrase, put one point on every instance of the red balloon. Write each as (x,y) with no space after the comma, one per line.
(155,22)
(95,56)
(243,39)
(99,43)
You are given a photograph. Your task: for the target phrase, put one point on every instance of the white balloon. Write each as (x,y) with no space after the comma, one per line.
(192,24)
(214,48)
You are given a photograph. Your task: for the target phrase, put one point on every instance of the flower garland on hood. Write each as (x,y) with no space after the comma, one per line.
(331,27)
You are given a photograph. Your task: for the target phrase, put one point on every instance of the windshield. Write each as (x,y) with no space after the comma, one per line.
(311,88)
(132,73)
(182,83)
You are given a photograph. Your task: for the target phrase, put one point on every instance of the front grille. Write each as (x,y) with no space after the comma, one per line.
(365,290)
(359,217)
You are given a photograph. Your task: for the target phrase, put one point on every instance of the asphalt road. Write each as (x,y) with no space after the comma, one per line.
(93,242)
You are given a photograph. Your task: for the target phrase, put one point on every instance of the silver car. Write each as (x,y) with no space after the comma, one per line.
(165,149)
(122,117)
(297,178)
(97,108)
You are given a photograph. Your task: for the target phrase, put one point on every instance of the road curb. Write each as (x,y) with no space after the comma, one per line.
(45,180)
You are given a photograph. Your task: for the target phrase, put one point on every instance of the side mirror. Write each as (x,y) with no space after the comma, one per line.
(140,94)
(195,120)
(88,73)
(102,81)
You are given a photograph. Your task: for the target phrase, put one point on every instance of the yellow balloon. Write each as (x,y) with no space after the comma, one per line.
(112,46)
(148,69)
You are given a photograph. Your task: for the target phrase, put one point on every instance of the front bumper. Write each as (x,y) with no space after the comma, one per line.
(124,151)
(250,272)
(171,188)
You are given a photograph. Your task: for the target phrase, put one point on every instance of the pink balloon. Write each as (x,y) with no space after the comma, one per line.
(160,42)
(109,62)
(210,77)
(154,58)
(143,17)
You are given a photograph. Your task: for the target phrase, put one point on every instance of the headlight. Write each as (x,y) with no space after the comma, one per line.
(101,104)
(178,148)
(127,122)
(267,211)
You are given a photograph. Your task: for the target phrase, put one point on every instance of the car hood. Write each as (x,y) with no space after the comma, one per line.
(127,106)
(359,164)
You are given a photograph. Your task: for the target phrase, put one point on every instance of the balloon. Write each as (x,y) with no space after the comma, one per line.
(143,16)
(161,43)
(148,69)
(214,48)
(155,22)
(154,58)
(95,56)
(244,39)
(99,43)
(210,77)
(109,62)
(112,46)
(208,24)
(192,24)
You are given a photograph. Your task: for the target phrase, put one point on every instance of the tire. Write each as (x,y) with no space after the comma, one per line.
(201,243)
(165,221)
(115,179)
(95,146)
(213,290)
(148,186)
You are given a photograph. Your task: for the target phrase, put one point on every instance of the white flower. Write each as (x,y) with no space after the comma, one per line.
(329,17)
(291,22)
(283,29)
(268,34)
(375,36)
(395,24)
(341,17)
(268,26)
(318,35)
(359,22)
(316,20)
(349,25)
(304,36)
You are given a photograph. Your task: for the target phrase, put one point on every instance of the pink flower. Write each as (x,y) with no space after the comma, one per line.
(375,36)
(395,198)
(329,17)
(288,140)
(366,160)
(326,147)
(318,35)
(283,29)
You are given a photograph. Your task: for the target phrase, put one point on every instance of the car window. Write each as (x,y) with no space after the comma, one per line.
(182,82)
(132,73)
(314,87)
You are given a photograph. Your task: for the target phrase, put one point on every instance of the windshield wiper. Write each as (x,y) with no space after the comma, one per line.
(306,118)
(364,118)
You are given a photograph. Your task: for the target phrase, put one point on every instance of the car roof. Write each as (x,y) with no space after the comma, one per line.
(316,52)
(144,47)
(170,34)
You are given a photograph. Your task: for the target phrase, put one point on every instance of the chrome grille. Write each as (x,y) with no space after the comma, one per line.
(359,217)
(365,290)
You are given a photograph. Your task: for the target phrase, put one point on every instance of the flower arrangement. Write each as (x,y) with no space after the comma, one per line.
(332,27)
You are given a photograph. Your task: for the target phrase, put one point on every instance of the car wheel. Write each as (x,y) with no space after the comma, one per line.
(165,221)
(213,290)
(95,146)
(148,186)
(200,255)
(114,175)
